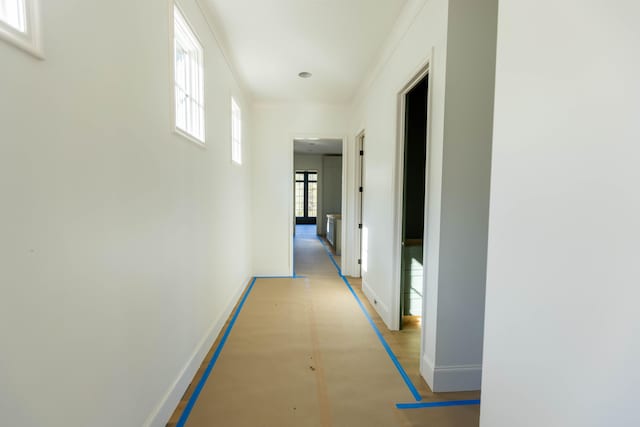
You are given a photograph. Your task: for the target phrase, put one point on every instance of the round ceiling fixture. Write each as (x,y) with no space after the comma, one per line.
(304,75)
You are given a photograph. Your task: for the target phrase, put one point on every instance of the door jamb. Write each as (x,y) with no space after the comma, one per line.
(424,70)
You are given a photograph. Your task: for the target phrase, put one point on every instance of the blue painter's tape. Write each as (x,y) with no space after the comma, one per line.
(214,359)
(392,356)
(419,405)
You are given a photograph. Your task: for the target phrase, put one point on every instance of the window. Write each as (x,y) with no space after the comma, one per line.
(306,197)
(236,132)
(19,24)
(189,79)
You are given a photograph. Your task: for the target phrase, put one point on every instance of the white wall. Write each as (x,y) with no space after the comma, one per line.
(561,335)
(272,191)
(332,185)
(457,39)
(454,360)
(377,113)
(122,245)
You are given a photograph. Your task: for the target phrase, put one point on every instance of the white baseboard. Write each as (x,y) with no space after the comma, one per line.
(444,379)
(163,411)
(378,305)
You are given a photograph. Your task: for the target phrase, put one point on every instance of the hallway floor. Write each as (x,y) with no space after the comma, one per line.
(301,352)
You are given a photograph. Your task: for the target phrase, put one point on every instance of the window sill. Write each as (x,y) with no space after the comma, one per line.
(27,43)
(190,138)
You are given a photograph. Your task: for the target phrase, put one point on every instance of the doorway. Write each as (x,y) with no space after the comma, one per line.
(413,203)
(317,192)
(306,194)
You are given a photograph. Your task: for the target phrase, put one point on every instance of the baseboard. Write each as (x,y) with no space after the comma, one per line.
(443,379)
(376,302)
(163,411)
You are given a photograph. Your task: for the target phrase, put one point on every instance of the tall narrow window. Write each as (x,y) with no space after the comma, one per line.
(19,24)
(189,79)
(236,132)
(306,197)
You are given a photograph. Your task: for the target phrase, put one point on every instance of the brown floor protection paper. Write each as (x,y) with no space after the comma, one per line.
(302,353)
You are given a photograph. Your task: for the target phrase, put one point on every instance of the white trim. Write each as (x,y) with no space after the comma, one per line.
(31,40)
(213,24)
(403,24)
(351,233)
(188,136)
(376,302)
(424,70)
(167,405)
(443,379)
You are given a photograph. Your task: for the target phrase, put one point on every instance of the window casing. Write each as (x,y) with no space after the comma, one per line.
(236,132)
(188,67)
(20,25)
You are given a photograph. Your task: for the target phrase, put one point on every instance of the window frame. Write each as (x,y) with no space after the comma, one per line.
(236,132)
(197,43)
(29,40)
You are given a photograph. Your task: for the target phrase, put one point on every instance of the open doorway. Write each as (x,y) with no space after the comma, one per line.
(317,167)
(413,202)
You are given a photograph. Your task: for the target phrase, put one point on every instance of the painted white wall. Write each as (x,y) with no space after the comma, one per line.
(457,38)
(275,127)
(377,113)
(332,185)
(561,335)
(122,245)
(454,361)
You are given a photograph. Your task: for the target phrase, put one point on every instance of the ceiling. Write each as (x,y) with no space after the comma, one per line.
(317,146)
(271,41)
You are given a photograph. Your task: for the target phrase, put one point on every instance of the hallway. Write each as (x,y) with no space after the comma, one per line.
(300,352)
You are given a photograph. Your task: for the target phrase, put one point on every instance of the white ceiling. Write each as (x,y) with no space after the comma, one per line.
(271,41)
(317,146)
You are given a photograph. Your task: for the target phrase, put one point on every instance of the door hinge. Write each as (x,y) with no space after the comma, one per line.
(360,226)
(359,261)
(362,152)
(360,189)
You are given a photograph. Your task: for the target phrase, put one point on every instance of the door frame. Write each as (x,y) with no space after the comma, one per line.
(292,185)
(359,202)
(396,279)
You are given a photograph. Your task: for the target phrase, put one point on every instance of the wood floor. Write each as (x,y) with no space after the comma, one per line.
(302,353)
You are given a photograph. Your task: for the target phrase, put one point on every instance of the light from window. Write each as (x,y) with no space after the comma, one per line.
(189,78)
(13,13)
(236,132)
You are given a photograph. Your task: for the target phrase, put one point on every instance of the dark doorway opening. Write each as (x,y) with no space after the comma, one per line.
(413,212)
(306,197)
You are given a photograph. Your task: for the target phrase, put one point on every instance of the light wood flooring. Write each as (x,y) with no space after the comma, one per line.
(302,353)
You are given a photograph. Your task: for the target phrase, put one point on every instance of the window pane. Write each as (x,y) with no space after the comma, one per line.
(12,12)
(299,177)
(299,199)
(188,70)
(313,176)
(313,200)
